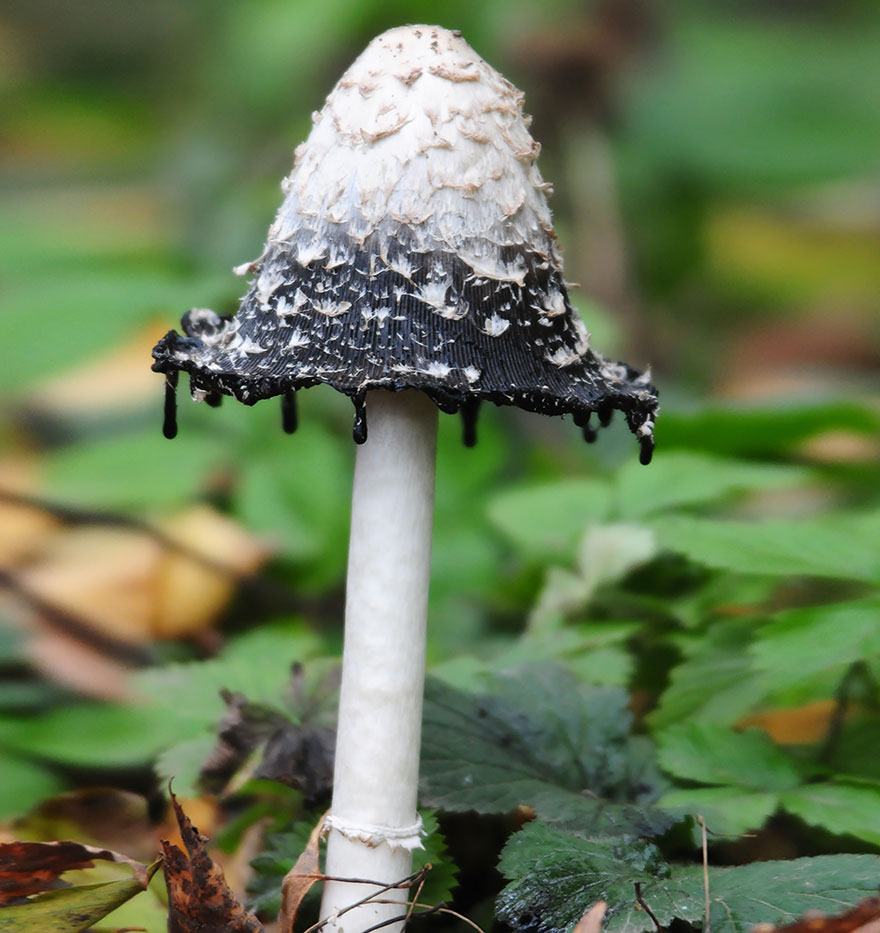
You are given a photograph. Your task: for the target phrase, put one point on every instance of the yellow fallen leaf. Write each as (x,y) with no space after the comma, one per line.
(803,725)
(102,576)
(23,529)
(190,593)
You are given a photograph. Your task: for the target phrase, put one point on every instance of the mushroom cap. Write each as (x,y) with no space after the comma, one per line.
(414,249)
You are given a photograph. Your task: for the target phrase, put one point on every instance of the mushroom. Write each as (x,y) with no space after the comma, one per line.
(412,266)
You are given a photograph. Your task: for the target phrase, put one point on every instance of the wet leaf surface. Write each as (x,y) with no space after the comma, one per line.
(542,739)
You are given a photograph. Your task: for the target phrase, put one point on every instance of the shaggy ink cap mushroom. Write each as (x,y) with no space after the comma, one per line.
(414,249)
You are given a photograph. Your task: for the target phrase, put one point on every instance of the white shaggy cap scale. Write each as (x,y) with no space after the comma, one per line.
(414,249)
(421,132)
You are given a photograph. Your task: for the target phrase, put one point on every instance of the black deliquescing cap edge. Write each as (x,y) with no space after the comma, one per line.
(250,391)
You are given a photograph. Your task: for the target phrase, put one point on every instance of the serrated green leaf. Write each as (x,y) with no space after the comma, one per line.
(834,546)
(548,520)
(716,682)
(543,740)
(712,754)
(281,850)
(778,892)
(555,877)
(801,642)
(680,478)
(844,809)
(71,910)
(441,879)
(728,811)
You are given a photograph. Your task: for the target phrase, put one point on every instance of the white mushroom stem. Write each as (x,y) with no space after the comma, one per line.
(373,819)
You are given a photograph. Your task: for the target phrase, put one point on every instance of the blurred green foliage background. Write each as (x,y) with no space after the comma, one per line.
(717,176)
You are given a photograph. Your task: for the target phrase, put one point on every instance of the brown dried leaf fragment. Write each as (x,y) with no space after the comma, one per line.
(299,880)
(199,898)
(591,922)
(31,867)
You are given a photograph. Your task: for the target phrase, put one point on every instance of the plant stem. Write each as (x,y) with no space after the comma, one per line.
(383,664)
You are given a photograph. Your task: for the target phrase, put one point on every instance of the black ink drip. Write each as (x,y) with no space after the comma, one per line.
(646,451)
(605,413)
(469,413)
(214,399)
(169,422)
(359,428)
(582,420)
(289,418)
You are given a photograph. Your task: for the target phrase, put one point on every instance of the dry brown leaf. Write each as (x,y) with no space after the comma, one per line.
(299,880)
(103,816)
(28,868)
(64,659)
(841,447)
(591,922)
(189,594)
(23,530)
(126,587)
(101,575)
(199,898)
(804,725)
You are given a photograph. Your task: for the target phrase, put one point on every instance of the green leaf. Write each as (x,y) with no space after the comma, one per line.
(833,546)
(257,664)
(281,849)
(297,491)
(801,642)
(728,811)
(555,877)
(704,115)
(25,783)
(779,892)
(543,740)
(182,762)
(141,470)
(595,652)
(182,701)
(680,478)
(93,735)
(71,910)
(85,311)
(843,809)
(759,432)
(712,754)
(716,682)
(548,520)
(441,879)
